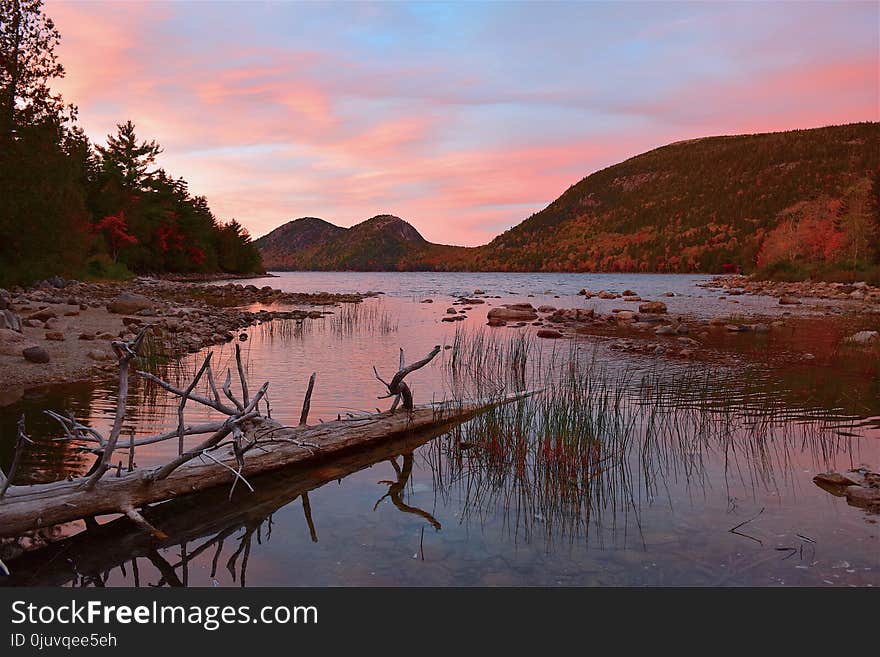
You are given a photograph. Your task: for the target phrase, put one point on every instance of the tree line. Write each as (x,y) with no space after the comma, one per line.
(73,208)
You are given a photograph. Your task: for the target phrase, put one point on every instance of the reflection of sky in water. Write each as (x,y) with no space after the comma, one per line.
(667,524)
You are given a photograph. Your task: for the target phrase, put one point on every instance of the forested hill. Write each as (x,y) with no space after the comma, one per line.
(790,204)
(801,200)
(74,208)
(382,243)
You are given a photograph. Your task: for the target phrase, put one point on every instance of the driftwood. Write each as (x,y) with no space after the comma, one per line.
(206,521)
(243,444)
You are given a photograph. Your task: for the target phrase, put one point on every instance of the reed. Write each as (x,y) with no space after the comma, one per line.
(603,439)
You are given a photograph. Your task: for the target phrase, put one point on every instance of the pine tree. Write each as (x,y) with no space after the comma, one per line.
(27,65)
(126,160)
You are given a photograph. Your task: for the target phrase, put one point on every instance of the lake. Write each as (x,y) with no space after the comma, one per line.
(709,481)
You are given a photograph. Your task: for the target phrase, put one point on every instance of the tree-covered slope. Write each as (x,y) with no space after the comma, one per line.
(702,204)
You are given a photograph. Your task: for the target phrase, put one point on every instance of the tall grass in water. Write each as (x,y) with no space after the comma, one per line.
(370,318)
(601,441)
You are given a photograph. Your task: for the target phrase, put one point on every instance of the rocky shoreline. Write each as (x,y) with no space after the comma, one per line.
(647,327)
(60,331)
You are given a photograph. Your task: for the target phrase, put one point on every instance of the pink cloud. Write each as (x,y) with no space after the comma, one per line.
(270,133)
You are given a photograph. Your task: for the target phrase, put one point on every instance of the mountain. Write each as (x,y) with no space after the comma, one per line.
(382,243)
(795,203)
(290,244)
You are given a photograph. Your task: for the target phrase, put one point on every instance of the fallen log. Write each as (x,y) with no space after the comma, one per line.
(38,506)
(255,444)
(201,521)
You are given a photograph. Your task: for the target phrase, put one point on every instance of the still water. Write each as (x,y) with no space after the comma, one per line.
(433,510)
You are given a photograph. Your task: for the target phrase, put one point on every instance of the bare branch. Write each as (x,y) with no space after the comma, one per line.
(241,376)
(185,397)
(397,388)
(227,390)
(125,352)
(21,440)
(217,406)
(139,520)
(307,402)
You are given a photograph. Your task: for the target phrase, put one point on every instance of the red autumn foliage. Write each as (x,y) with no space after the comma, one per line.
(115,229)
(196,255)
(169,236)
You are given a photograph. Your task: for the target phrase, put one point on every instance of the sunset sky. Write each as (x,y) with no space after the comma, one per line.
(461,118)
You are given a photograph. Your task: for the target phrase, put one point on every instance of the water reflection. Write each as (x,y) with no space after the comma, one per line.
(646,494)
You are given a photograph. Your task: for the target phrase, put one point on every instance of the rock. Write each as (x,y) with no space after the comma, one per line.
(863,496)
(99,354)
(546,309)
(12,342)
(56,336)
(628,293)
(86,336)
(57,282)
(607,295)
(495,322)
(479,291)
(128,303)
(35,354)
(862,337)
(669,294)
(584,292)
(789,301)
(664,330)
(451,311)
(242,337)
(9,320)
(653,307)
(682,329)
(43,315)
(427,301)
(737,328)
(513,314)
(549,333)
(626,316)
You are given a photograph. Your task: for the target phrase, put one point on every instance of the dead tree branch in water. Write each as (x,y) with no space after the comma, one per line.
(397,387)
(233,448)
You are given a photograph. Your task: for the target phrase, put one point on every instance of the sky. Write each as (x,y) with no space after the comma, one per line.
(462,118)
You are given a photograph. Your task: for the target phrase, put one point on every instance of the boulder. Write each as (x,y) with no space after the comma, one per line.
(863,337)
(129,303)
(12,342)
(99,354)
(9,320)
(35,354)
(43,315)
(513,314)
(653,307)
